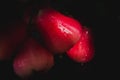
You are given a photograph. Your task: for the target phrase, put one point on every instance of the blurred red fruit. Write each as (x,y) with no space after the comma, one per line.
(10,38)
(32,57)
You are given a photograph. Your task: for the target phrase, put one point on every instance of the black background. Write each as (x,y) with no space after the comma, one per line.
(104,20)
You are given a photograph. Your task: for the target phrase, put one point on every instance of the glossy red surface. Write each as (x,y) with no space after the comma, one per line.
(83,50)
(60,32)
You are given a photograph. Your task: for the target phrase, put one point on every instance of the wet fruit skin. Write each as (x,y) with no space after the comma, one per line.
(83,50)
(59,32)
(32,57)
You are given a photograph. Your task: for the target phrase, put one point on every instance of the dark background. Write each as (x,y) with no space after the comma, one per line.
(101,16)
